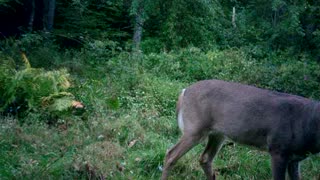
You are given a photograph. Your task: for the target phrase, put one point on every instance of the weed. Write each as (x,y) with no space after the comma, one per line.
(130,115)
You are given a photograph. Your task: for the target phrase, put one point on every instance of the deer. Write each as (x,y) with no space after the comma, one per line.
(286,126)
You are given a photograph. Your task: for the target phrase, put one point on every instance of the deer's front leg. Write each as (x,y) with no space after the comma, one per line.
(279,163)
(294,170)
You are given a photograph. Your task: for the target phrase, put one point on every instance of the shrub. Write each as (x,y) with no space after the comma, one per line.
(34,90)
(276,71)
(151,45)
(100,51)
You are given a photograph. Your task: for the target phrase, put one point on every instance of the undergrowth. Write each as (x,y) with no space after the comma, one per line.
(129,121)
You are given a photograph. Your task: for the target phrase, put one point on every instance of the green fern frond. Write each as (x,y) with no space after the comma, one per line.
(39,90)
(25,60)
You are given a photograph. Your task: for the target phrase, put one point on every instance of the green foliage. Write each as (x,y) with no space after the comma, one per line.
(130,120)
(6,71)
(151,45)
(6,5)
(273,25)
(280,72)
(189,23)
(92,19)
(130,97)
(102,50)
(29,41)
(34,90)
(37,46)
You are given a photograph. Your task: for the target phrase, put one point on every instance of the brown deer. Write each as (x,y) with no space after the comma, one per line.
(287,126)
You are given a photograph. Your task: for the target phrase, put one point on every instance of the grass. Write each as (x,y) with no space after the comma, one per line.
(130,123)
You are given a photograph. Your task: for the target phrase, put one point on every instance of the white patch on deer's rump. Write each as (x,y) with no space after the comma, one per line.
(180,113)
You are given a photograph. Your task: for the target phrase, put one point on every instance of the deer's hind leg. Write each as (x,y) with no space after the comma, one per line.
(186,143)
(214,144)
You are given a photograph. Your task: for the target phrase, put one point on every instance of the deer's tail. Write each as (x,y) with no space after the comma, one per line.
(180,111)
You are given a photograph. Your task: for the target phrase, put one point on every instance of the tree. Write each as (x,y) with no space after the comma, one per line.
(191,22)
(48,14)
(139,18)
(32,9)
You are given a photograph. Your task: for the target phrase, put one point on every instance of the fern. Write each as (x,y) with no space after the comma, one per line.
(34,89)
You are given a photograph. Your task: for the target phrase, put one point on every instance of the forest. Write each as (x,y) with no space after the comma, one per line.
(88,88)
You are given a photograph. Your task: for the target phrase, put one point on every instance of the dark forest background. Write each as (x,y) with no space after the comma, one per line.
(167,25)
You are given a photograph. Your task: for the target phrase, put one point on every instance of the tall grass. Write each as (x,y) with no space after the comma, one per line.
(129,121)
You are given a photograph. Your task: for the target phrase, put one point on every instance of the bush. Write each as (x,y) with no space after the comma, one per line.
(151,45)
(100,51)
(34,90)
(276,71)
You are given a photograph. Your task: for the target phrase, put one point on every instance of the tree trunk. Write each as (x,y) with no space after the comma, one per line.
(32,14)
(48,14)
(138,27)
(234,17)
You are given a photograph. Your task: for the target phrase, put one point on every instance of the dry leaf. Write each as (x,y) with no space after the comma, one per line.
(132,143)
(77,105)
